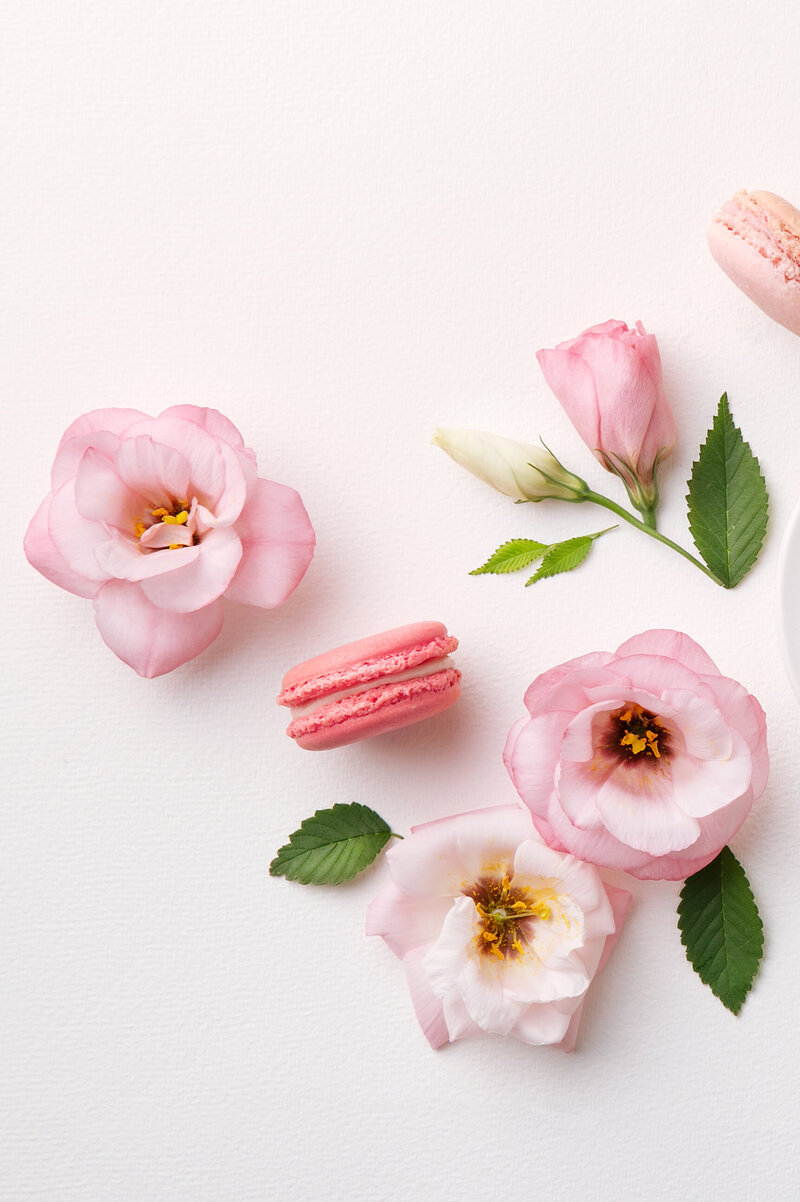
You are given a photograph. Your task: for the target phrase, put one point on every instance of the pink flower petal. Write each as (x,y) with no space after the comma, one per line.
(202,579)
(68,458)
(427,1006)
(596,846)
(216,471)
(404,920)
(703,786)
(546,1023)
(744,714)
(154,471)
(149,639)
(75,538)
(210,420)
(638,808)
(539,695)
(102,496)
(670,644)
(448,854)
(100,428)
(571,381)
(43,555)
(278,543)
(531,757)
(123,558)
(577,788)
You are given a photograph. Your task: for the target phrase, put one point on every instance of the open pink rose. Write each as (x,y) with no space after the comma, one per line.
(156,519)
(609,382)
(647,759)
(496,931)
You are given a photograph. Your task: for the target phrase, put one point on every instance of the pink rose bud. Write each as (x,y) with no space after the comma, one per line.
(609,382)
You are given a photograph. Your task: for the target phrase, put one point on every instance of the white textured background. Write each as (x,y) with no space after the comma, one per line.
(344,224)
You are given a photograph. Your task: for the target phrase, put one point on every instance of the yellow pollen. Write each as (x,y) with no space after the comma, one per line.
(178,519)
(626,717)
(520,905)
(139,529)
(176,546)
(542,910)
(517,946)
(496,952)
(159,513)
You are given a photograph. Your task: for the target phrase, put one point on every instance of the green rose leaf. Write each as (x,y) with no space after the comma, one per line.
(721,929)
(728,501)
(566,556)
(332,846)
(511,556)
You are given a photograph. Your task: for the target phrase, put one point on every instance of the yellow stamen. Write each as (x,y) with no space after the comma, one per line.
(176,546)
(626,717)
(139,529)
(542,910)
(159,513)
(517,946)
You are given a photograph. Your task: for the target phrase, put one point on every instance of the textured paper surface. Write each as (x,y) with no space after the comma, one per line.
(344,224)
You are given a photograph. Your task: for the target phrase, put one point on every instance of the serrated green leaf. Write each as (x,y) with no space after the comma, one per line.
(332,846)
(511,556)
(566,556)
(721,929)
(728,501)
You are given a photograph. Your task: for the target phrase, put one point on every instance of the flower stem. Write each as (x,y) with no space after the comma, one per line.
(607,503)
(649,518)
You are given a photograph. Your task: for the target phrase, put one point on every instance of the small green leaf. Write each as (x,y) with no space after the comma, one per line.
(566,556)
(332,846)
(721,929)
(728,501)
(511,556)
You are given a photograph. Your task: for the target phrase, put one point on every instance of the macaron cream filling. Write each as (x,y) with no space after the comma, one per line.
(418,673)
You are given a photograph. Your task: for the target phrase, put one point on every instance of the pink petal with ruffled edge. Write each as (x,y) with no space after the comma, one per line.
(43,554)
(76,539)
(101,429)
(123,559)
(217,473)
(670,644)
(448,854)
(156,472)
(101,495)
(277,542)
(149,639)
(200,582)
(427,1006)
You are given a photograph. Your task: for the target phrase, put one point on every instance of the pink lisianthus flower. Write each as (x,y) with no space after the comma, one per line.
(497,932)
(608,381)
(156,519)
(647,760)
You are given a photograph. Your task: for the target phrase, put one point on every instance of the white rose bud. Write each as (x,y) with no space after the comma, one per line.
(517,469)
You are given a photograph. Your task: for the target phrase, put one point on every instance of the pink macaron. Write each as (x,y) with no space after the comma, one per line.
(755,238)
(371,686)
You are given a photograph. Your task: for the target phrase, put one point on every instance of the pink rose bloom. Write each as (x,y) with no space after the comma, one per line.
(647,760)
(156,519)
(496,931)
(609,382)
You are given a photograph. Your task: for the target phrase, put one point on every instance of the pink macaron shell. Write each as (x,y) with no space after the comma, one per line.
(747,244)
(358,663)
(388,707)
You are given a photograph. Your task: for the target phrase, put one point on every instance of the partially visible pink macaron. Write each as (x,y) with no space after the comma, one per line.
(371,686)
(755,238)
